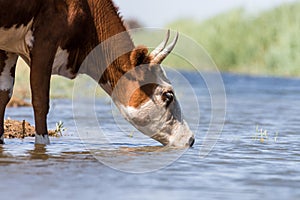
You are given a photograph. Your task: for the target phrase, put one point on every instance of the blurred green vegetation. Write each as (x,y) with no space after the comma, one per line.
(60,87)
(267,43)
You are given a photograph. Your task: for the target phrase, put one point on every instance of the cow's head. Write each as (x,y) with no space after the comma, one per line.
(146,98)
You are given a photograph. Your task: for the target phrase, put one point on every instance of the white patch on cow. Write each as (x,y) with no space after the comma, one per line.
(60,64)
(42,139)
(16,39)
(131,112)
(29,39)
(61,58)
(6,80)
(146,118)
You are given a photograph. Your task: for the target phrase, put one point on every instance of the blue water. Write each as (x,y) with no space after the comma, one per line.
(245,163)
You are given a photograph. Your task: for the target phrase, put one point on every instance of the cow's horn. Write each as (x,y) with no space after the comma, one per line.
(161,46)
(165,52)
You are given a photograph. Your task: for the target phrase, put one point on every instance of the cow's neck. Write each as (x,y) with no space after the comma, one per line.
(115,40)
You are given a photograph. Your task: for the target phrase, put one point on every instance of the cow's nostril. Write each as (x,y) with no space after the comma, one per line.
(191,141)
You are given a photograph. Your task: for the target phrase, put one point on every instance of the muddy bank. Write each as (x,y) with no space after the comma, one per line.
(22,129)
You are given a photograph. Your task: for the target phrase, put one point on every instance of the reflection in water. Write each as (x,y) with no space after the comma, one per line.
(3,153)
(145,149)
(39,152)
(6,157)
(140,159)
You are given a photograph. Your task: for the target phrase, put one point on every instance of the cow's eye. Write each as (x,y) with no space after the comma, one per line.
(168,97)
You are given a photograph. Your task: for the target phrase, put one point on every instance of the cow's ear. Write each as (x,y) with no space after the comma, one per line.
(139,56)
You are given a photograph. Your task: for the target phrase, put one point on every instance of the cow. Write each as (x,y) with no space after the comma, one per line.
(56,36)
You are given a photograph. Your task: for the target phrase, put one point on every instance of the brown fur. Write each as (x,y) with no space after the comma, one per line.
(77,26)
(4,95)
(142,95)
(140,56)
(18,12)
(3,57)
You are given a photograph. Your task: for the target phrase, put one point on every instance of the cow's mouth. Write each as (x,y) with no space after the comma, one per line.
(162,138)
(165,140)
(191,141)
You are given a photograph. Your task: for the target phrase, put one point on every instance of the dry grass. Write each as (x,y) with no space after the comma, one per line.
(22,129)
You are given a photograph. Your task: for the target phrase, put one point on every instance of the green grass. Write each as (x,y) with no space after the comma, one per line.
(267,43)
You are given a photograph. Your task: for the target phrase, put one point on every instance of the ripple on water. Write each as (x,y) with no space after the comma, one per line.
(240,166)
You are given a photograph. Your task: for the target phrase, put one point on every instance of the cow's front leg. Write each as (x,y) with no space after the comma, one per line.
(7,74)
(40,75)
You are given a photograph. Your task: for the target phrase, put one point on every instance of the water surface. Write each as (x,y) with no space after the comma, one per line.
(244,164)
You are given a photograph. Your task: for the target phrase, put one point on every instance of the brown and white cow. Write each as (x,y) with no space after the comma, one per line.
(55,36)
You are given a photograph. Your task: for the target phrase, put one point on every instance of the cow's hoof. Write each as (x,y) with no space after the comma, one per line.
(2,139)
(42,139)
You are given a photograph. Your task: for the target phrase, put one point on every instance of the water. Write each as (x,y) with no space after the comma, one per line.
(244,164)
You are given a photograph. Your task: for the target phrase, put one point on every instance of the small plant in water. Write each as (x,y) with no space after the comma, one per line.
(276,136)
(131,134)
(60,128)
(262,135)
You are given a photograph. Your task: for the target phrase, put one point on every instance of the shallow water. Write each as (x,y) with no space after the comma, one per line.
(244,164)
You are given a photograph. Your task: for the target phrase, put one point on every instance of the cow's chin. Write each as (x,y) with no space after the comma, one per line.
(178,136)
